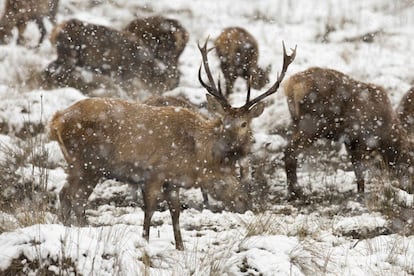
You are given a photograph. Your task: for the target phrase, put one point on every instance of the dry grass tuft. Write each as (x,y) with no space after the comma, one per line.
(24,180)
(26,266)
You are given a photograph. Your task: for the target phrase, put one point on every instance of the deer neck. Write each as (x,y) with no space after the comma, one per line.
(208,137)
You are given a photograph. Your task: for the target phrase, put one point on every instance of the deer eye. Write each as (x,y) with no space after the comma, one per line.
(244,124)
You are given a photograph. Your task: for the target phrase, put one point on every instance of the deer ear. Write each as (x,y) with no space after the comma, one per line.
(256,110)
(214,106)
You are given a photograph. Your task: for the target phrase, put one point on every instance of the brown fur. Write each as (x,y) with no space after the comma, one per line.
(166,38)
(106,51)
(181,102)
(238,53)
(159,149)
(325,103)
(405,111)
(17,13)
(170,101)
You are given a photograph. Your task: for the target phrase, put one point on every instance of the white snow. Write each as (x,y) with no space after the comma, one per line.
(316,237)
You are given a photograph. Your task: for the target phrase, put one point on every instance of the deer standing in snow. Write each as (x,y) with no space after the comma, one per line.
(325,103)
(107,51)
(159,149)
(238,53)
(17,13)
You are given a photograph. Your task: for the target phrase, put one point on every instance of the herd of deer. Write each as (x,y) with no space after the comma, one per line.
(164,144)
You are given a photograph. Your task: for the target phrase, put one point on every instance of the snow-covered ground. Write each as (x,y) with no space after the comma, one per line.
(333,232)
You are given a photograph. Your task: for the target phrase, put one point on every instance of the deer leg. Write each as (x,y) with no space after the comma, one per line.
(230,77)
(291,164)
(21,27)
(296,144)
(171,193)
(356,159)
(65,205)
(150,204)
(40,24)
(74,196)
(205,198)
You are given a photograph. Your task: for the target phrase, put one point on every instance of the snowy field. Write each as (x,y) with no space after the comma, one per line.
(334,232)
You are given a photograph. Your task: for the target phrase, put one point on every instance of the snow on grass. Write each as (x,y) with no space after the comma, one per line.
(340,236)
(37,106)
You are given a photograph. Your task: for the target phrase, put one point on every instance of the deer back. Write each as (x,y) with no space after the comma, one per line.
(108,51)
(337,104)
(165,37)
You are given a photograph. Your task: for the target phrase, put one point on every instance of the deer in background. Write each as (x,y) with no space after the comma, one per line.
(166,38)
(17,13)
(159,149)
(325,103)
(405,111)
(106,51)
(239,54)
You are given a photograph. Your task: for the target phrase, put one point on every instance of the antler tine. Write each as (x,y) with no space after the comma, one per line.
(249,86)
(206,86)
(287,60)
(211,88)
(219,87)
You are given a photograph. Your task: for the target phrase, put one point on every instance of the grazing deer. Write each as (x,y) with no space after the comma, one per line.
(158,148)
(405,111)
(166,38)
(107,51)
(325,103)
(17,13)
(238,53)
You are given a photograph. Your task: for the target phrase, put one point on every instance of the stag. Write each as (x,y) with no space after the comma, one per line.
(325,103)
(405,110)
(238,53)
(181,102)
(107,51)
(159,149)
(17,13)
(166,38)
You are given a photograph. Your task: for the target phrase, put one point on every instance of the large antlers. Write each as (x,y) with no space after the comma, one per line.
(287,60)
(211,88)
(216,91)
